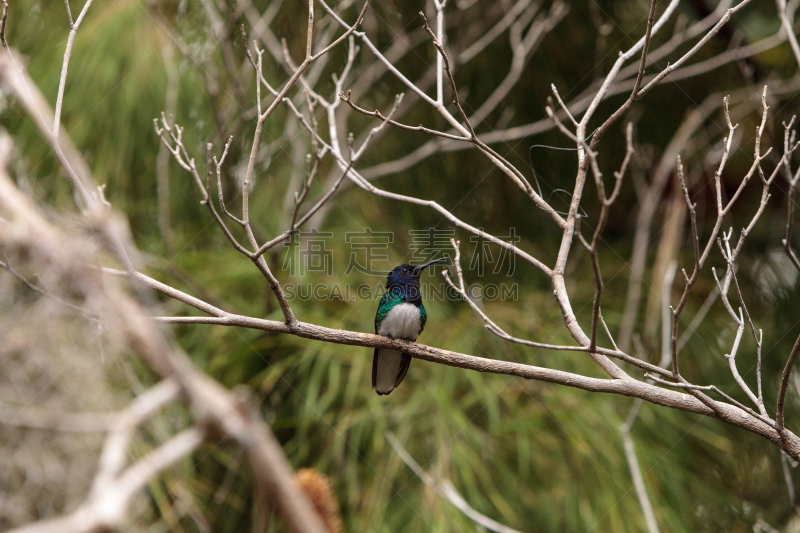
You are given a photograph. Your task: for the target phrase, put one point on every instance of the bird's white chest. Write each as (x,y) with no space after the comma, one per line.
(402,322)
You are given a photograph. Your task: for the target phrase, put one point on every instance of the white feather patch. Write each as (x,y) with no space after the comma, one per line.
(402,322)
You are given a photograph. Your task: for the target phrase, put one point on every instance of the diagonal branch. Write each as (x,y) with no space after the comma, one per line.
(445,489)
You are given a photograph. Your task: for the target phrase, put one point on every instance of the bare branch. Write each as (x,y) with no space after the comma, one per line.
(643,43)
(5,265)
(606,202)
(692,214)
(698,318)
(377,114)
(106,510)
(689,387)
(217,412)
(211,404)
(4,16)
(788,29)
(643,63)
(115,450)
(787,372)
(636,472)
(792,180)
(502,25)
(73,31)
(172,135)
(218,166)
(446,490)
(491,325)
(648,204)
(446,67)
(721,212)
(310,34)
(787,477)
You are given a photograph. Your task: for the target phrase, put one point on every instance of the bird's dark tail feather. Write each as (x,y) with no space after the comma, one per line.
(389,367)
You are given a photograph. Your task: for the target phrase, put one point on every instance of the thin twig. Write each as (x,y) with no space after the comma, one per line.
(446,65)
(446,490)
(5,265)
(784,386)
(636,471)
(4,4)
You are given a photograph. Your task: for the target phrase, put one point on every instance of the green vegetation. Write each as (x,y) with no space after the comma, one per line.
(534,456)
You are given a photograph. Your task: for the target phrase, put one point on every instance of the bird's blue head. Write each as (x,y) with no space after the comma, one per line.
(405,279)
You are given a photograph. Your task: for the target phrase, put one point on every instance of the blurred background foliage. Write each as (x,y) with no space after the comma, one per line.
(534,456)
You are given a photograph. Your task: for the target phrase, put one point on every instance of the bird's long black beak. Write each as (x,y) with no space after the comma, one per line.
(418,269)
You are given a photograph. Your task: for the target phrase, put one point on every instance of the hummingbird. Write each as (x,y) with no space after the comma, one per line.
(400,315)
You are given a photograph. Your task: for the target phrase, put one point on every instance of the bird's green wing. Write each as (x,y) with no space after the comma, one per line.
(388,301)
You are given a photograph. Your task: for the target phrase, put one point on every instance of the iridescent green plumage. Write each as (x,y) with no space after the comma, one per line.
(389,366)
(387,303)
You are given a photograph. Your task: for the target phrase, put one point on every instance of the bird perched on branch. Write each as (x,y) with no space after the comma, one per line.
(400,315)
